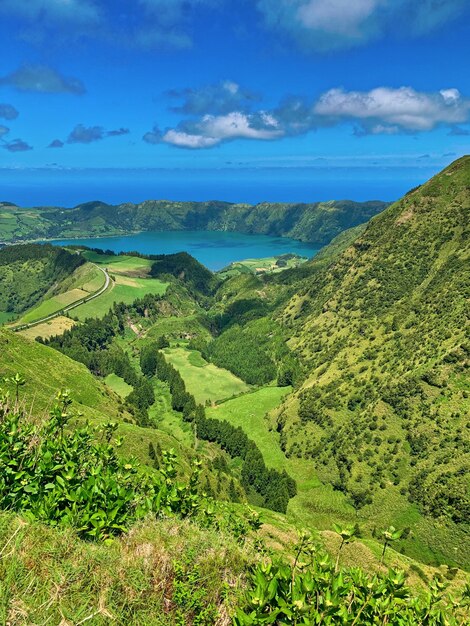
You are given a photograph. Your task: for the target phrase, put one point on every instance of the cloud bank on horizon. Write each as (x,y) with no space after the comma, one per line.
(203,74)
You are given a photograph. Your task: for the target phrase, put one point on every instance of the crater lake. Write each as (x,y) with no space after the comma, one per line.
(214,249)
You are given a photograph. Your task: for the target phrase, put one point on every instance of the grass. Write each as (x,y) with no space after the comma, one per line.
(49,576)
(122,289)
(56,326)
(203,380)
(46,371)
(85,280)
(118,385)
(260,266)
(120,264)
(53,304)
(6,317)
(316,504)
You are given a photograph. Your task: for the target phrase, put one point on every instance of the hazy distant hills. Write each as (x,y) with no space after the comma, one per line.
(317,223)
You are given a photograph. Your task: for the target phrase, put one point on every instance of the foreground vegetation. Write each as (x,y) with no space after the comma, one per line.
(153,575)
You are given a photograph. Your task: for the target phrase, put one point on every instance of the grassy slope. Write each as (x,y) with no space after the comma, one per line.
(31,272)
(49,576)
(56,326)
(316,504)
(387,314)
(122,289)
(204,380)
(118,385)
(83,281)
(47,371)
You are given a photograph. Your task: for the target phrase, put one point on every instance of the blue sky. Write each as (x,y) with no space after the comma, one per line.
(214,84)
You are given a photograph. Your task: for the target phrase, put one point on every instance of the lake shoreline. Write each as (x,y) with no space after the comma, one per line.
(216,249)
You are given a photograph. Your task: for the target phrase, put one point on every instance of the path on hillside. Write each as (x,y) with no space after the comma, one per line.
(69,307)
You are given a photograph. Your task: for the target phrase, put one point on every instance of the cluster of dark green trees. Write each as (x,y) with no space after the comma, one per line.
(91,343)
(271,488)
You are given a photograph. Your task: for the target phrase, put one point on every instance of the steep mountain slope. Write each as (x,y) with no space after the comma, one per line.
(382,333)
(28,272)
(317,222)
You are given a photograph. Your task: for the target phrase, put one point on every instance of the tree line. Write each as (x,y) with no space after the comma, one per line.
(273,487)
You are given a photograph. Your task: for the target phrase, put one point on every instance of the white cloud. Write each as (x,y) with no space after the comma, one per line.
(403,108)
(380,111)
(340,17)
(214,129)
(336,24)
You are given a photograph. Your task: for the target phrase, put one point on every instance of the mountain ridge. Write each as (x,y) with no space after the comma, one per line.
(316,222)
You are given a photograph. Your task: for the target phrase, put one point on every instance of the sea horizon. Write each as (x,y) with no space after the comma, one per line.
(68,188)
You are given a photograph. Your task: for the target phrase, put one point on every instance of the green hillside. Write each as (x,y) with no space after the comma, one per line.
(381,334)
(28,272)
(317,222)
(333,396)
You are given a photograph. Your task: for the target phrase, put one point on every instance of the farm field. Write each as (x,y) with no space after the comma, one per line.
(56,326)
(120,264)
(266,265)
(122,289)
(53,304)
(86,280)
(118,385)
(204,380)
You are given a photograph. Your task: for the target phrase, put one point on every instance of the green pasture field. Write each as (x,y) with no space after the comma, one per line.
(118,385)
(56,326)
(122,289)
(119,264)
(204,380)
(86,279)
(260,266)
(316,504)
(53,304)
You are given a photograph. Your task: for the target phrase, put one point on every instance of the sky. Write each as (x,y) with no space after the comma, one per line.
(330,85)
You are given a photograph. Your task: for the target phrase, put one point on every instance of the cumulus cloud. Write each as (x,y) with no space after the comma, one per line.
(90,134)
(386,110)
(56,143)
(4,130)
(153,136)
(17,145)
(212,130)
(335,24)
(221,98)
(42,79)
(8,112)
(118,132)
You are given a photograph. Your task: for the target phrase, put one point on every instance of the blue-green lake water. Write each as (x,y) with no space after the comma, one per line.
(212,248)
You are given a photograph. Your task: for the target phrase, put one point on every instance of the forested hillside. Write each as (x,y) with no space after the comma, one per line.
(28,272)
(382,333)
(318,222)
